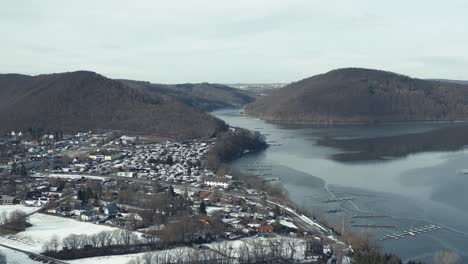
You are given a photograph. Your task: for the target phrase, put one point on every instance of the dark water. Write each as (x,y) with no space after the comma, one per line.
(405,172)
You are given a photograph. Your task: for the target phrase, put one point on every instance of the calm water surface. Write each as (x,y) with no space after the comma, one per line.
(404,172)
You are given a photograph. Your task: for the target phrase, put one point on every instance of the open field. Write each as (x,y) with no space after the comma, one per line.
(20,207)
(44,227)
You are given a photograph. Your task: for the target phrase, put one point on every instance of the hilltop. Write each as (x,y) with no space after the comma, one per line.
(82,100)
(363,96)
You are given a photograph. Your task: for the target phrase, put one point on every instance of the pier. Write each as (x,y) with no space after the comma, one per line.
(340,199)
(370,216)
(375,226)
(412,232)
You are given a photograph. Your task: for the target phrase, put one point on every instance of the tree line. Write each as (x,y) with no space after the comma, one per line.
(232,144)
(276,250)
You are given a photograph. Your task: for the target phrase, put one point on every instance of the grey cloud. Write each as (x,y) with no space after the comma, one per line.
(229,41)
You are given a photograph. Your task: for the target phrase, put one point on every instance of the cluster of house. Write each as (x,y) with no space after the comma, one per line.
(49,147)
(124,157)
(244,217)
(170,161)
(41,195)
(105,213)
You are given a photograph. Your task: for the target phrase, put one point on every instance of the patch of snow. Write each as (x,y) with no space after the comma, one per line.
(74,176)
(115,259)
(20,207)
(211,209)
(44,227)
(288,224)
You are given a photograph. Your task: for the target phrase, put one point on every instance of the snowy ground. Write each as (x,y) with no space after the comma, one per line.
(211,209)
(44,227)
(20,207)
(15,257)
(74,176)
(120,259)
(236,245)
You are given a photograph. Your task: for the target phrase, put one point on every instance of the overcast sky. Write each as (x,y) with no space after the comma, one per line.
(177,41)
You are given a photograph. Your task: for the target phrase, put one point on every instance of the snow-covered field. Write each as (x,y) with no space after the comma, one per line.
(289,242)
(20,207)
(15,257)
(44,227)
(119,259)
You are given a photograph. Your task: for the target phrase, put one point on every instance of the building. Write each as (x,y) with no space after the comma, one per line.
(222,182)
(107,155)
(111,209)
(265,229)
(127,174)
(88,216)
(7,200)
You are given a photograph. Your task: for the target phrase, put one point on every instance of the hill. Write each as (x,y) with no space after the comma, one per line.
(79,101)
(363,96)
(204,96)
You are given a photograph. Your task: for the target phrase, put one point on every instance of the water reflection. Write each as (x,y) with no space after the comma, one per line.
(451,138)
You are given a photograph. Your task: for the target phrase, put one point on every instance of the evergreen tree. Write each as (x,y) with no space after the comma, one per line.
(202,208)
(277,211)
(171,191)
(14,168)
(80,195)
(23,171)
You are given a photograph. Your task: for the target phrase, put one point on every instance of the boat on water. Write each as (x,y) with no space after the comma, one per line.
(465,171)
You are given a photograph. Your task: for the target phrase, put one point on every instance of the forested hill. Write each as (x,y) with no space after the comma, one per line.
(355,95)
(204,96)
(80,101)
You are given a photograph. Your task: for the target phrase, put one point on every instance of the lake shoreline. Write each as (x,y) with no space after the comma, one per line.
(401,188)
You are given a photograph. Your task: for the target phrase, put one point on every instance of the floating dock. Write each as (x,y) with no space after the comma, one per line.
(412,232)
(340,199)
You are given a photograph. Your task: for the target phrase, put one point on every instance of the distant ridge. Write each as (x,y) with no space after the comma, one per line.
(363,96)
(204,96)
(83,100)
(450,81)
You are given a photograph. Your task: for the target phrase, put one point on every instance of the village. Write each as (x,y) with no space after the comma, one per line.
(161,192)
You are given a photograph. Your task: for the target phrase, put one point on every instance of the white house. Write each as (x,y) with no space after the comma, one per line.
(88,216)
(222,182)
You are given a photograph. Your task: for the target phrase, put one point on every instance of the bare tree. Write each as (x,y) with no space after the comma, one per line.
(104,238)
(3,259)
(71,242)
(292,245)
(54,243)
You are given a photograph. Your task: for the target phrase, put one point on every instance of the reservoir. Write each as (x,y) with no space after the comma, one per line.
(399,177)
